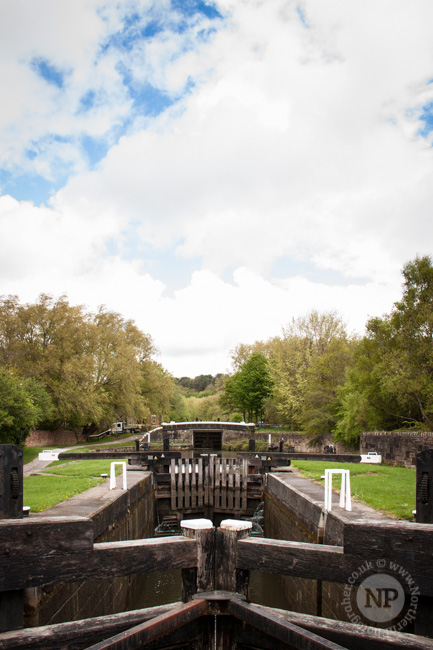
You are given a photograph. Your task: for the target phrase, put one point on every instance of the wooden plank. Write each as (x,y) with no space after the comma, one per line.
(79,634)
(238,486)
(224,484)
(173,491)
(187,483)
(275,458)
(217,482)
(230,485)
(211,501)
(35,535)
(244,485)
(200,487)
(283,631)
(320,562)
(353,636)
(159,626)
(387,538)
(107,560)
(206,483)
(179,484)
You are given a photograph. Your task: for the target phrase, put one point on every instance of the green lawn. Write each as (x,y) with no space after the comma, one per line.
(388,489)
(42,492)
(70,478)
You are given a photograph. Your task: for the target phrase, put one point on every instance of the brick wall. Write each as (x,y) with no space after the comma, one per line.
(60,437)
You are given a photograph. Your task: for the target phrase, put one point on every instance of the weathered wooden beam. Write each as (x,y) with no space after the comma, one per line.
(275,458)
(151,630)
(285,632)
(354,636)
(106,560)
(54,535)
(78,634)
(323,562)
(228,577)
(297,559)
(202,578)
(379,538)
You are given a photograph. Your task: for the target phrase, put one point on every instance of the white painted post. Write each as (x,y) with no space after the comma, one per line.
(342,488)
(348,497)
(345,498)
(113,475)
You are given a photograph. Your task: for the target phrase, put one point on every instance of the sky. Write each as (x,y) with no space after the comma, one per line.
(213,169)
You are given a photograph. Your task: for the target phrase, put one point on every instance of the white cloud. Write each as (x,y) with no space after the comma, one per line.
(295,141)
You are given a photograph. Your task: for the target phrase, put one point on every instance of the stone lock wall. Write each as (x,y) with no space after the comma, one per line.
(117,515)
(294,511)
(398,447)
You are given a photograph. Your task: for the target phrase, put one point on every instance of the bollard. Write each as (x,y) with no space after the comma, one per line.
(251,444)
(227,577)
(166,444)
(200,578)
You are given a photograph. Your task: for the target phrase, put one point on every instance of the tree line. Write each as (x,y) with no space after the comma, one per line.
(317,378)
(61,366)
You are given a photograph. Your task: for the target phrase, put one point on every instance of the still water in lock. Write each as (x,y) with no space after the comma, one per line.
(166,587)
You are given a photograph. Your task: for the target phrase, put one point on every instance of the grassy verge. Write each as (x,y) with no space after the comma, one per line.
(388,489)
(61,481)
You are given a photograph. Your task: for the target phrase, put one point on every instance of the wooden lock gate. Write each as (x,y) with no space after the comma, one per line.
(209,484)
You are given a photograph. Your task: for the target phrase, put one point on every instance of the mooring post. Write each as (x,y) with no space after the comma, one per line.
(227,577)
(200,578)
(11,507)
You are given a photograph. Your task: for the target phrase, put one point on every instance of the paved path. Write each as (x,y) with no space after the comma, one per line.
(36,465)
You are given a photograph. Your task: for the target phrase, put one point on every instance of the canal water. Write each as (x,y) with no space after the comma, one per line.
(166,587)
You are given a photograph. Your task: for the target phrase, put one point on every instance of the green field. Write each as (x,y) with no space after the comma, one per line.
(60,481)
(388,489)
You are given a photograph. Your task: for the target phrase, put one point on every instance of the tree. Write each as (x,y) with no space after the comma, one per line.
(94,366)
(324,377)
(297,370)
(24,403)
(248,389)
(391,385)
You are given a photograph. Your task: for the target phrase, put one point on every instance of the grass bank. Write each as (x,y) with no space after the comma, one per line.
(390,490)
(60,481)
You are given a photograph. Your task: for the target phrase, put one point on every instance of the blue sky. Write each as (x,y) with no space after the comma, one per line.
(215,169)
